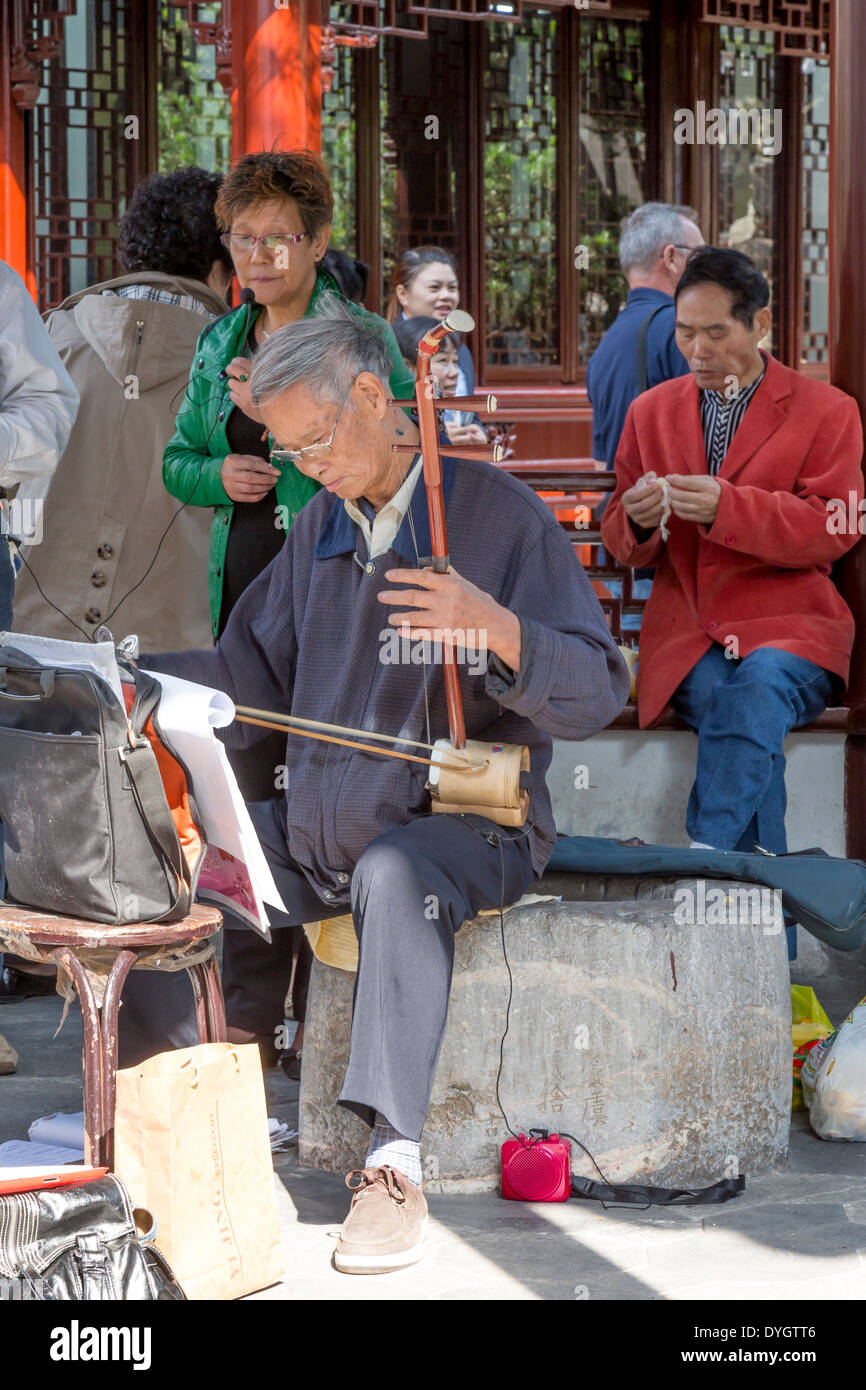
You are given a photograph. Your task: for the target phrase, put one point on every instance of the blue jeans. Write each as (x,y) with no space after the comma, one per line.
(742,711)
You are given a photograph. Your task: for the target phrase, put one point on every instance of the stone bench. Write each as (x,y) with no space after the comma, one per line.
(664,1046)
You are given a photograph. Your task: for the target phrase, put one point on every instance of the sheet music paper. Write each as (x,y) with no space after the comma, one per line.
(235,873)
(93,656)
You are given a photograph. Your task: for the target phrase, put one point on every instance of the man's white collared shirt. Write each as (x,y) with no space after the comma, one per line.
(381,533)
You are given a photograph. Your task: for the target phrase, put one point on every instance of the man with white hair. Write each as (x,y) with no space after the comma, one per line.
(308,638)
(639,349)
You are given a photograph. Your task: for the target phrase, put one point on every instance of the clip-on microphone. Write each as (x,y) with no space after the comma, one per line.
(248,299)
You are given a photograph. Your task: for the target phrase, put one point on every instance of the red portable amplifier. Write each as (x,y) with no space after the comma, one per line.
(536,1170)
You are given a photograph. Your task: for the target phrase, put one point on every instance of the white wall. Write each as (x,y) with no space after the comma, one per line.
(639,785)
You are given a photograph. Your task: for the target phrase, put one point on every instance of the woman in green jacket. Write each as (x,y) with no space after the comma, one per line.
(277,207)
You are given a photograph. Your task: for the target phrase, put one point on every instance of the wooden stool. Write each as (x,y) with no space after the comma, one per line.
(61,938)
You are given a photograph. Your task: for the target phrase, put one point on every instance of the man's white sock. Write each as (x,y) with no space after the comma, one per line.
(699,844)
(390,1149)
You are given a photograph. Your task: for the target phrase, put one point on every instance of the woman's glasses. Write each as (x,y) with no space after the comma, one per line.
(242,245)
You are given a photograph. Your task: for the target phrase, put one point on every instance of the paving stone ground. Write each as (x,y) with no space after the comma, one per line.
(798,1232)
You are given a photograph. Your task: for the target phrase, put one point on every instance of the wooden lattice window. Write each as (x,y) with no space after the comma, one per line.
(339,137)
(422,165)
(193,109)
(521,189)
(748,169)
(85,152)
(613,162)
(799,28)
(815,328)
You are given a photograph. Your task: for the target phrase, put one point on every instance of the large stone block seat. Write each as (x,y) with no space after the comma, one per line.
(664,1046)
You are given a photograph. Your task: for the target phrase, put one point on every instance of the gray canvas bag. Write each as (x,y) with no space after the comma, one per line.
(87,827)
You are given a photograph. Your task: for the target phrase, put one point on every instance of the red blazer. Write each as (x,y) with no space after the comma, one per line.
(761,572)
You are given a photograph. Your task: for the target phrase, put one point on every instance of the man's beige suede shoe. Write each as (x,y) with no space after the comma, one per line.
(385,1226)
(8,1057)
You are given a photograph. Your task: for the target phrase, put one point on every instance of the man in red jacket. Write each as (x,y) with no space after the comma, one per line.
(725,481)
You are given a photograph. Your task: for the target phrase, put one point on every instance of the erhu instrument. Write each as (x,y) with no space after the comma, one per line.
(466,776)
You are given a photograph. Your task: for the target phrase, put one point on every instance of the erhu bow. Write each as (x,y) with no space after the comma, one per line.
(466,776)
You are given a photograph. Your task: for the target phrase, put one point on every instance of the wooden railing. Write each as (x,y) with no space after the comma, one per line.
(573,489)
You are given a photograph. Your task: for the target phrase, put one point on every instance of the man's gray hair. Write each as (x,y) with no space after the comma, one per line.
(326,352)
(648,230)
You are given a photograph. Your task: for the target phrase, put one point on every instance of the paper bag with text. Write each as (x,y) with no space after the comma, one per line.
(192,1146)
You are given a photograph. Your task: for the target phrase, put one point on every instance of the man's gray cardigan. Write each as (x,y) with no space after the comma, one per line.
(306,638)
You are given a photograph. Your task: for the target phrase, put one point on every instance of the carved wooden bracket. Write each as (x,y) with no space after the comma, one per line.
(220,35)
(25,72)
(213,32)
(30,47)
(802,27)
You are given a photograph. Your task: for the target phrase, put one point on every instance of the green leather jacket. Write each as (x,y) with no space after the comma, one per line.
(194,455)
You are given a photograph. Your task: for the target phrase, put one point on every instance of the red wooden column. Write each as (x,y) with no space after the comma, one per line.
(276,75)
(13,179)
(848,342)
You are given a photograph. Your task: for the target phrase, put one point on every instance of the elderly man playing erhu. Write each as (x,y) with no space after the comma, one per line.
(308,638)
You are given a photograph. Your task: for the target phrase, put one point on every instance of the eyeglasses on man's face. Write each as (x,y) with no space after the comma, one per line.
(243,245)
(312,451)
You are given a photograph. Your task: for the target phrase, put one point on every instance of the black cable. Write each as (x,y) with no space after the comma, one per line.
(606,1205)
(495,839)
(536,1136)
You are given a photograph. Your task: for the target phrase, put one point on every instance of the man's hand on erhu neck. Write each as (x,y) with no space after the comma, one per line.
(447,608)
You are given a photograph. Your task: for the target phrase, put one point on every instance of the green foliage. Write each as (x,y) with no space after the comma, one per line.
(338,152)
(193,113)
(179,114)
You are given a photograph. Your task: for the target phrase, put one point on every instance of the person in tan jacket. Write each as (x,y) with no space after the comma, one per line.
(127,345)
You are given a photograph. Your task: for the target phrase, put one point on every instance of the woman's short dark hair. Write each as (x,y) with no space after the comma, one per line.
(409,333)
(351,275)
(732,271)
(273,174)
(170,225)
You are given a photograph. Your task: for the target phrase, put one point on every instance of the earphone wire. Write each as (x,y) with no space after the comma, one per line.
(536,1136)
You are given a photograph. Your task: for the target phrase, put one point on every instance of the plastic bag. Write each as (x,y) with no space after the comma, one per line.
(809,1026)
(812,1067)
(838,1109)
